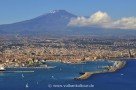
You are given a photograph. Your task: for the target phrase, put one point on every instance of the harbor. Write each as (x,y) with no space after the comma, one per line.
(95,73)
(84,74)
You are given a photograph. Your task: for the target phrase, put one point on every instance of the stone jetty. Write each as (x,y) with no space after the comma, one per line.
(116,66)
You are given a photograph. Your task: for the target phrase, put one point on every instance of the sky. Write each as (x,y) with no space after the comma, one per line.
(18,10)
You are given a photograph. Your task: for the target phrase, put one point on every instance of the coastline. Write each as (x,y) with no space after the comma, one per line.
(118,64)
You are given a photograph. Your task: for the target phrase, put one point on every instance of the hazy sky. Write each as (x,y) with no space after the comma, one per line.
(18,10)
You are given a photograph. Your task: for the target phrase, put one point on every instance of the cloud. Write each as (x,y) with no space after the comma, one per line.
(125,23)
(102,19)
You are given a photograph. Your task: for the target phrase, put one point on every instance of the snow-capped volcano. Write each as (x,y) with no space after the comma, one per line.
(54,20)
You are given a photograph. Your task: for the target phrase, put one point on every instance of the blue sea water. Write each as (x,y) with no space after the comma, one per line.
(62,77)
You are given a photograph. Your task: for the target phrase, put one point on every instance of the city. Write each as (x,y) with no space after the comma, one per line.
(19,51)
(67,45)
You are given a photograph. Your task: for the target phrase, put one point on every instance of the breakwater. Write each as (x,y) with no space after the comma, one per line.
(116,66)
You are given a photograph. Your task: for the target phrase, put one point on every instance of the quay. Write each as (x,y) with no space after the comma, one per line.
(17,71)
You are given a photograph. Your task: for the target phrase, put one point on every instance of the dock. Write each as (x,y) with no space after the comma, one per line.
(17,71)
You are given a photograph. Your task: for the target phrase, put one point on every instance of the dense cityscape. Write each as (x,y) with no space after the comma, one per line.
(20,51)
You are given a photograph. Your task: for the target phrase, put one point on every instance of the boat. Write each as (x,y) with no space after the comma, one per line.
(27,85)
(122,74)
(46,66)
(52,76)
(23,76)
(2,68)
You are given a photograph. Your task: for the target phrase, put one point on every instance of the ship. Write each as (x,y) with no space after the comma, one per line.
(2,68)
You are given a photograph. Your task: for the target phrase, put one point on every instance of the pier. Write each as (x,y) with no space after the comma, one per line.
(116,66)
(17,71)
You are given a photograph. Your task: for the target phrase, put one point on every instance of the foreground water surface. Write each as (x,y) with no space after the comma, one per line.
(62,77)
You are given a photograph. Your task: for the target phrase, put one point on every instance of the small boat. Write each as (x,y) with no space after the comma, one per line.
(52,76)
(23,76)
(50,67)
(27,85)
(122,74)
(46,66)
(2,68)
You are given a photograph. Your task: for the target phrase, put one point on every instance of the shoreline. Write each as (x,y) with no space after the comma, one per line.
(117,65)
(78,62)
(68,62)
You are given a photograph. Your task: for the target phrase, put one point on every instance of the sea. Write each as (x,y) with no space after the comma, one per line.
(61,77)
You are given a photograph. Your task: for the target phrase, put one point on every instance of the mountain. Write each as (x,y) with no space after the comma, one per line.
(56,23)
(49,22)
